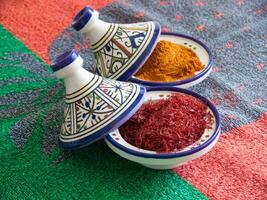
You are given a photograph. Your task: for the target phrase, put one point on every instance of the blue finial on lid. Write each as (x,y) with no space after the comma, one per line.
(64,60)
(81,19)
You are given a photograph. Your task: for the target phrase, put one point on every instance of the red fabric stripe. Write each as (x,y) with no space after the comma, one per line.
(236,168)
(36,23)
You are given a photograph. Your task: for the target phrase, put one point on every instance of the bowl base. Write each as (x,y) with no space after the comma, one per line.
(163,167)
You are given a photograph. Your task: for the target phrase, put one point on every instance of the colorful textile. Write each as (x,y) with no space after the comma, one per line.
(32,166)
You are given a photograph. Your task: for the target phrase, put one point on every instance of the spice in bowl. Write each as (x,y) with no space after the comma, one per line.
(168,125)
(170,62)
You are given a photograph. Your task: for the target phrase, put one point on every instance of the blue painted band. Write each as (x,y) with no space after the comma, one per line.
(64,60)
(180,82)
(178,154)
(81,19)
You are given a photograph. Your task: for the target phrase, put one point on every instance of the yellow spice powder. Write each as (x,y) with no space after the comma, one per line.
(170,62)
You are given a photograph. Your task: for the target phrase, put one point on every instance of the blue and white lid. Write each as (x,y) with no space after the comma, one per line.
(94,105)
(120,50)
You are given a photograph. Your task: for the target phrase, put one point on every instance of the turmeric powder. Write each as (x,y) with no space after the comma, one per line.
(170,62)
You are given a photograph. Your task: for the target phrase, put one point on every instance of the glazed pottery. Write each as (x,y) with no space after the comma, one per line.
(94,105)
(201,50)
(156,160)
(119,49)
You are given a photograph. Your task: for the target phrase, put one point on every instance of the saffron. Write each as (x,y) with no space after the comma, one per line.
(167,125)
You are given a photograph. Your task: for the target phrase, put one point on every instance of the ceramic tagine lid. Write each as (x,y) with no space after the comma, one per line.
(119,49)
(94,105)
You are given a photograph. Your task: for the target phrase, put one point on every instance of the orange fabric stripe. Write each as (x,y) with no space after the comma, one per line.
(236,168)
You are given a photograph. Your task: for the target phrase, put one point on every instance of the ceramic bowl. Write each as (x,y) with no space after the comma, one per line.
(156,160)
(202,51)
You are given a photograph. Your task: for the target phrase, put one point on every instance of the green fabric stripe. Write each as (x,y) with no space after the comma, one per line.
(89,173)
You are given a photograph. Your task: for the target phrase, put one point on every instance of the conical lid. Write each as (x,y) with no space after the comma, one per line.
(119,49)
(94,105)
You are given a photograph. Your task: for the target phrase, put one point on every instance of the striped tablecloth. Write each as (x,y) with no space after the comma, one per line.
(32,166)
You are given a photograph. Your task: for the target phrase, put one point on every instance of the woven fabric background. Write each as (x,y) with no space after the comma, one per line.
(32,166)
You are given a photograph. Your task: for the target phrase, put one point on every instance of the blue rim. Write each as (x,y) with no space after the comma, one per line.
(144,56)
(180,82)
(179,154)
(64,60)
(111,126)
(81,19)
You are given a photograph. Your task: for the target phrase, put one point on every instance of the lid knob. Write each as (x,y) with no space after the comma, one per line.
(66,63)
(86,15)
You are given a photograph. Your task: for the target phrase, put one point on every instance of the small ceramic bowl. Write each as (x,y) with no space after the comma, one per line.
(156,160)
(202,51)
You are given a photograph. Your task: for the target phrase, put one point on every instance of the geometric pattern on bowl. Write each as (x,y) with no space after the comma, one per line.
(124,48)
(91,109)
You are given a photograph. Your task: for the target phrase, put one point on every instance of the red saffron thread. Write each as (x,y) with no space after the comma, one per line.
(167,125)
